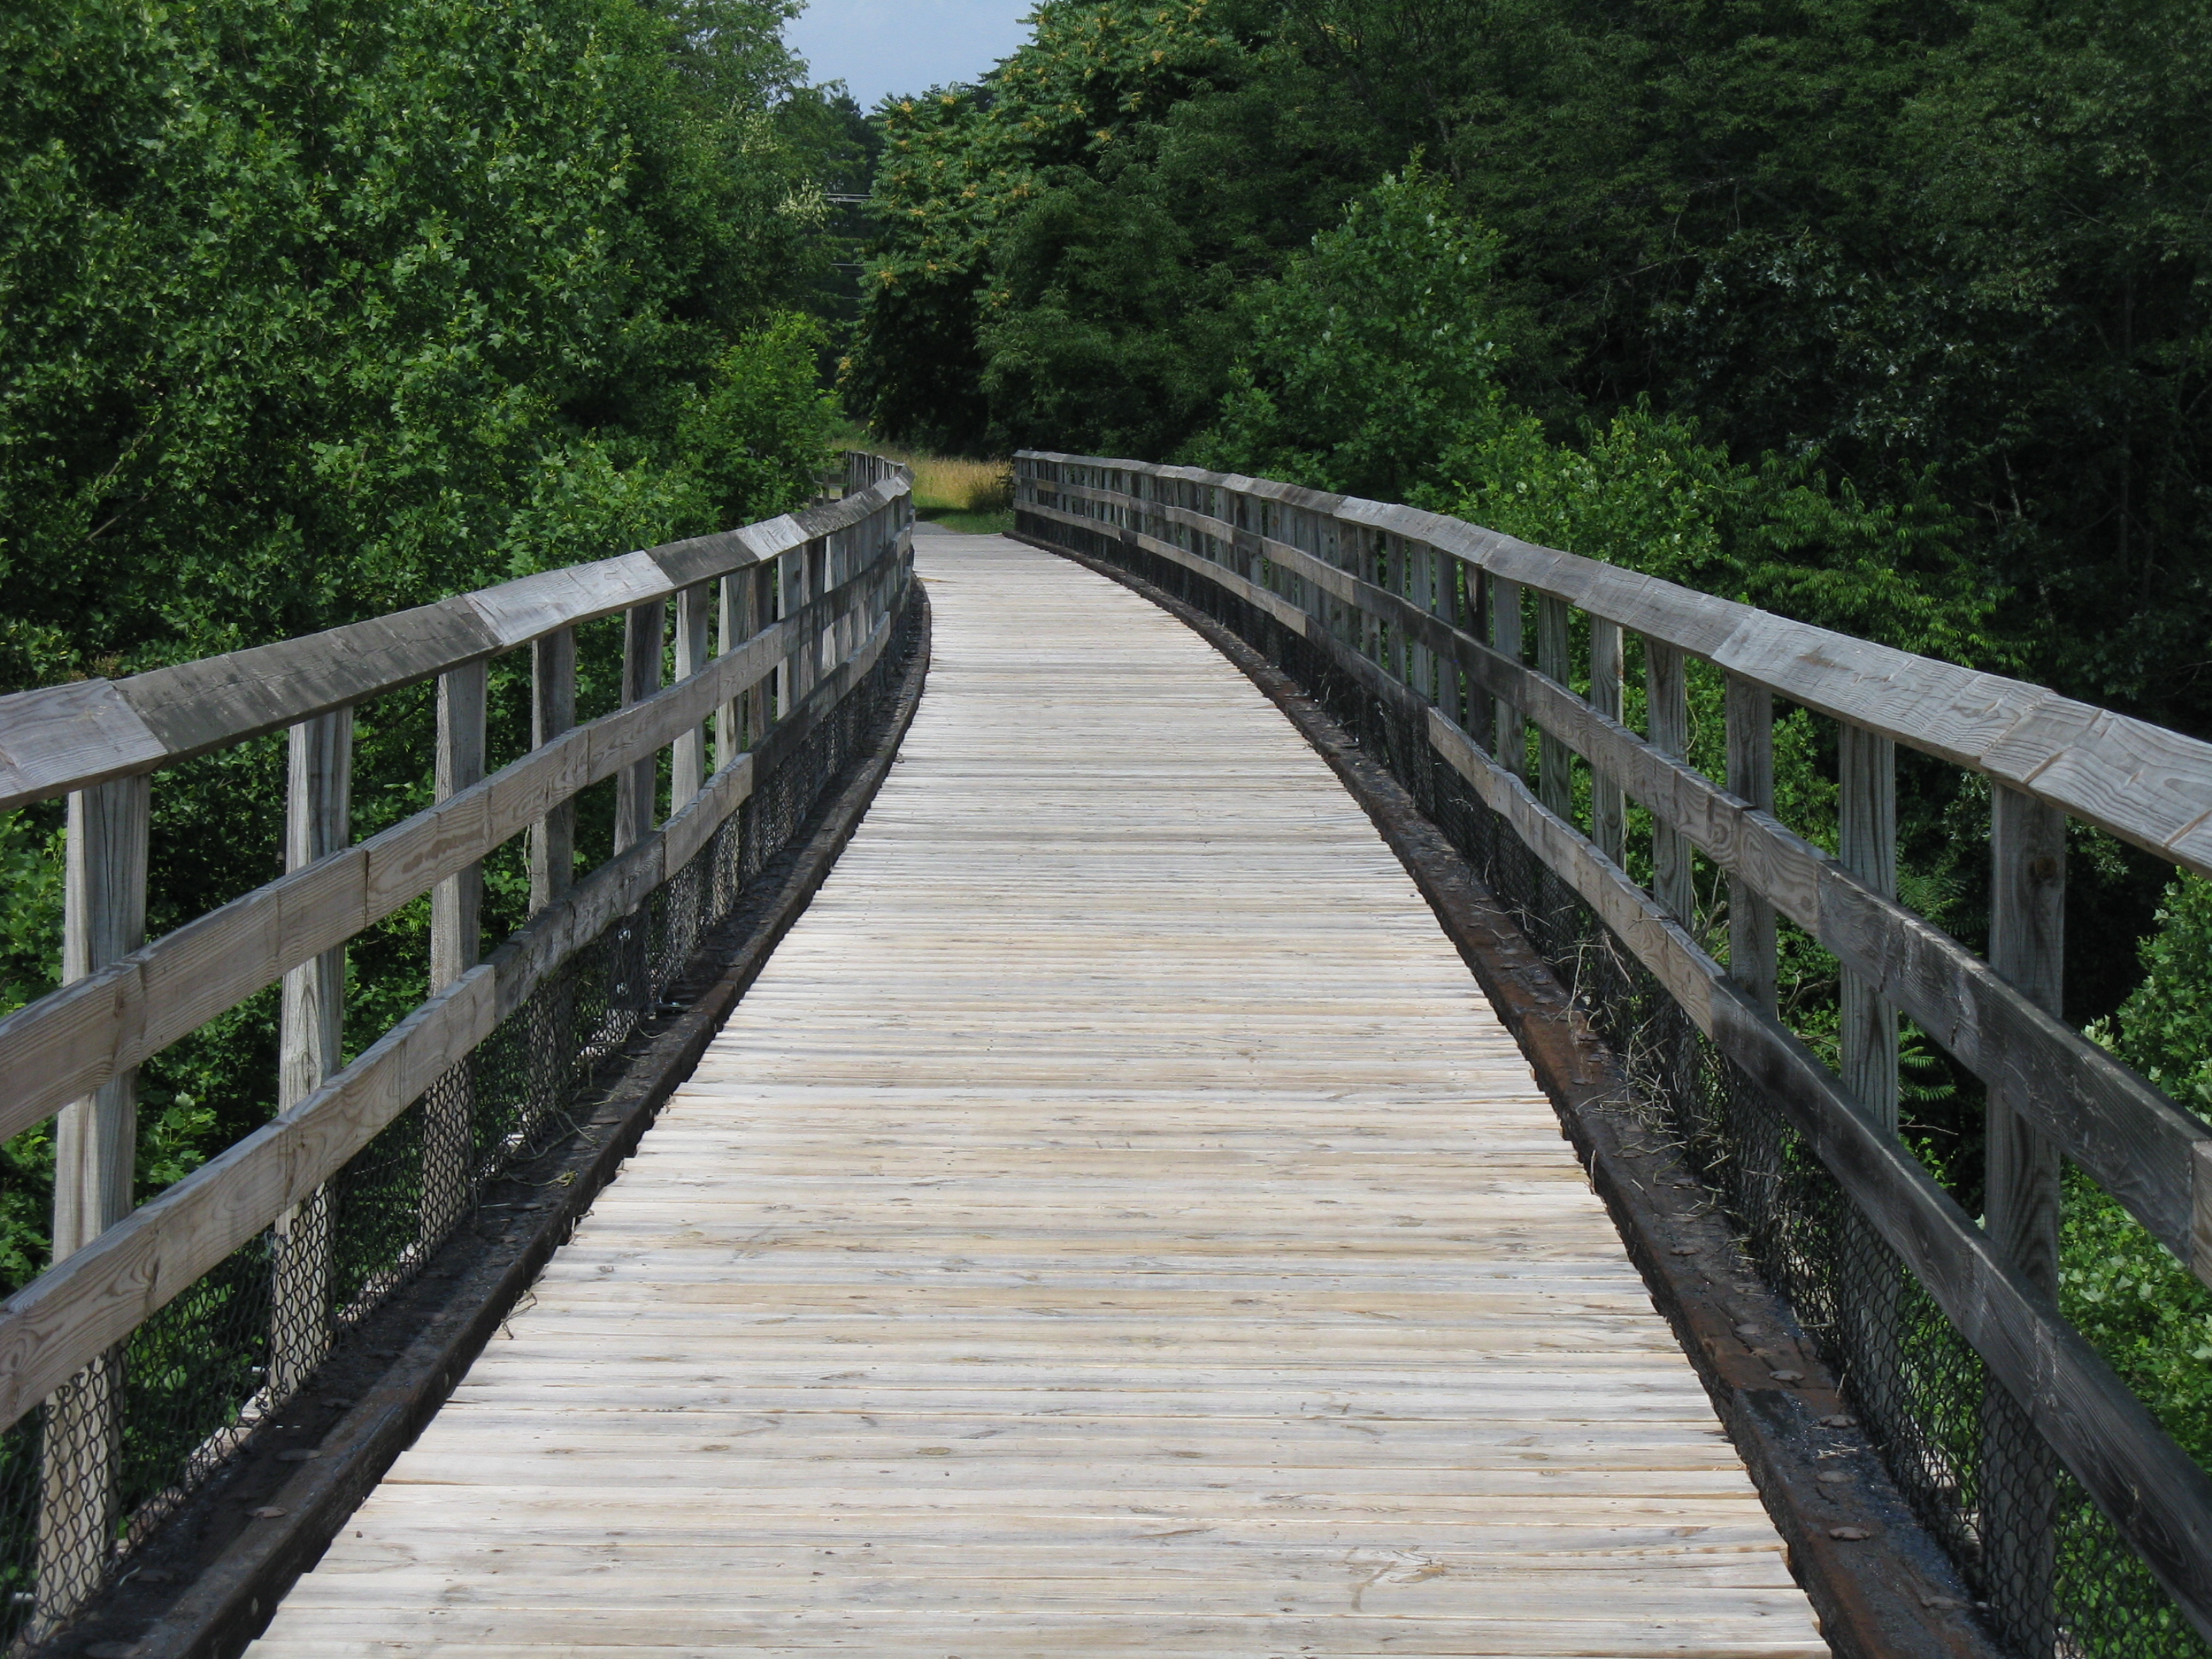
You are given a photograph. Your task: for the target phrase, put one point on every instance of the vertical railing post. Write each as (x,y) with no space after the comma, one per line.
(833,632)
(798,571)
(456,902)
(1420,668)
(2022,1207)
(1340,626)
(1451,606)
(1406,564)
(1372,555)
(1872,1321)
(813,583)
(687,756)
(787,604)
(1429,575)
(95,1154)
(103,919)
(740,621)
(1867,767)
(644,630)
(1317,541)
(552,870)
(1666,709)
(318,822)
(1608,684)
(1555,777)
(1440,568)
(1752,962)
(767,608)
(1505,638)
(552,711)
(1481,603)
(836,549)
(456,943)
(1462,601)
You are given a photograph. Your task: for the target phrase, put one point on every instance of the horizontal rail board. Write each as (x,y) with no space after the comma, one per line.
(1225,1374)
(72,1041)
(84,1305)
(1251,592)
(2155,1158)
(2139,1144)
(2150,1487)
(2148,785)
(70,737)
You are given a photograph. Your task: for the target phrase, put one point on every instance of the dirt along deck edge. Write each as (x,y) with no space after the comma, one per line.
(1884,1588)
(210,1582)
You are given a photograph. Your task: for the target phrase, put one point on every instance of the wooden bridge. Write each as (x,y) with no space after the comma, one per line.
(1267,1139)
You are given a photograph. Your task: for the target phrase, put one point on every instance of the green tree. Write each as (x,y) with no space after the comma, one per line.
(961,166)
(2144,1310)
(1375,352)
(312,314)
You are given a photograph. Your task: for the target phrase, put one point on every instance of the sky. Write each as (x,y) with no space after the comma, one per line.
(877,47)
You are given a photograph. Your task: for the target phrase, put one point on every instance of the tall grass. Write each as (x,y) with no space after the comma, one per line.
(945,485)
(957,492)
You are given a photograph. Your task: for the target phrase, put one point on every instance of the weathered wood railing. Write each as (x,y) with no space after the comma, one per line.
(1426,616)
(807,604)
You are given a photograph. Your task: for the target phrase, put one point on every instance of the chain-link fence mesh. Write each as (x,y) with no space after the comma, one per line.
(2053,1576)
(102,1463)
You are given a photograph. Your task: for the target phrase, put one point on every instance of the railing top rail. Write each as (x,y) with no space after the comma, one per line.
(2144,783)
(1442,677)
(63,738)
(786,671)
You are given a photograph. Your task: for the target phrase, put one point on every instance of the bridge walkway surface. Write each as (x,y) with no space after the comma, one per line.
(1113,1223)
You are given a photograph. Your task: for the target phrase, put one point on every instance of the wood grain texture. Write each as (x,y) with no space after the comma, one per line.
(2146,785)
(2022,1205)
(2141,1147)
(1866,813)
(1608,807)
(71,1042)
(1752,945)
(1112,1224)
(2155,1493)
(552,712)
(70,737)
(74,1310)
(80,1451)
(456,901)
(1555,766)
(645,629)
(310,1047)
(67,737)
(687,758)
(103,921)
(1666,711)
(1281,610)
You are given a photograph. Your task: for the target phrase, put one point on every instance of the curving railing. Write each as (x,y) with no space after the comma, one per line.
(162,1333)
(2084,1525)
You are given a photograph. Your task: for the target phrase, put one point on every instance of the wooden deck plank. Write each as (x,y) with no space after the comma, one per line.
(1114,1223)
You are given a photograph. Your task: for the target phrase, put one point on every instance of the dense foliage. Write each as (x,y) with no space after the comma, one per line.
(312,312)
(1954,248)
(1891,315)
(309,312)
(2141,1307)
